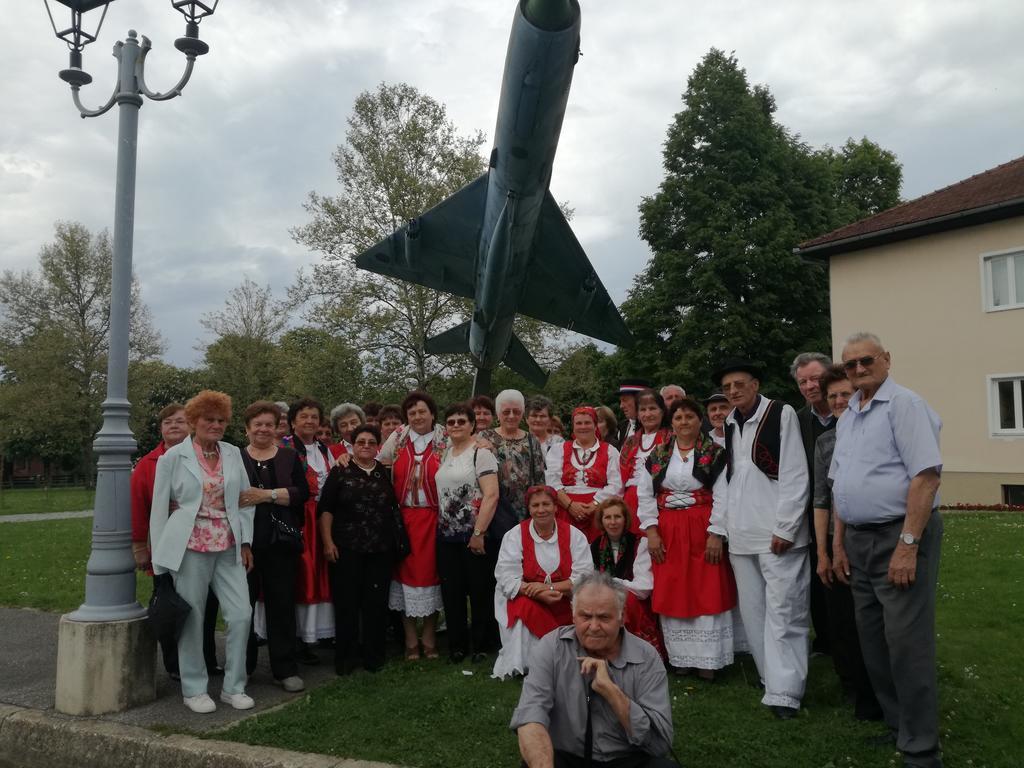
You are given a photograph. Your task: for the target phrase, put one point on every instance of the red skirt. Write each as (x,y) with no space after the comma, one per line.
(311,583)
(538,617)
(641,621)
(686,585)
(633,504)
(419,567)
(588,526)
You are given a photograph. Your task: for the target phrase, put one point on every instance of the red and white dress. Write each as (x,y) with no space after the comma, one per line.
(586,475)
(525,556)
(632,459)
(415,585)
(695,600)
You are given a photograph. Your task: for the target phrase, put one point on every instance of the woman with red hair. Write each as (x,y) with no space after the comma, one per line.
(540,560)
(653,430)
(584,472)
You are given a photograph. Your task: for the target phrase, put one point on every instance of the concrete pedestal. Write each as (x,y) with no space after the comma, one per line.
(104,666)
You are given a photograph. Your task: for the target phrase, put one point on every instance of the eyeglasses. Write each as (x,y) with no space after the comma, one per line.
(365,443)
(457,422)
(864,362)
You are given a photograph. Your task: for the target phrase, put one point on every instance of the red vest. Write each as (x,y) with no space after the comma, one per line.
(596,475)
(402,473)
(538,617)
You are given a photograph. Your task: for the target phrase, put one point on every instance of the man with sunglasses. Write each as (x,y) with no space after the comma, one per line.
(886,472)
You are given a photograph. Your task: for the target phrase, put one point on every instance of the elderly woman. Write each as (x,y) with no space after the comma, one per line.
(539,562)
(173,429)
(390,418)
(519,453)
(584,472)
(483,408)
(345,418)
(694,590)
(623,555)
(607,425)
(652,416)
(467,494)
(847,658)
(361,526)
(414,453)
(538,419)
(206,544)
(314,612)
(279,492)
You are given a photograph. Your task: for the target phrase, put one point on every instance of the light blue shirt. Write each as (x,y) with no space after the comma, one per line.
(879,450)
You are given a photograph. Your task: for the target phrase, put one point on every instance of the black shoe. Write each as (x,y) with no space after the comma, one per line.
(457,657)
(783,713)
(479,657)
(214,670)
(869,714)
(306,655)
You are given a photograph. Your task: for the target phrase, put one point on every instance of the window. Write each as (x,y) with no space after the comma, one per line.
(1004,280)
(1006,405)
(1013,494)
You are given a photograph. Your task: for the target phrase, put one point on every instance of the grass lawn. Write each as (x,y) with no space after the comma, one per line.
(429,714)
(23,501)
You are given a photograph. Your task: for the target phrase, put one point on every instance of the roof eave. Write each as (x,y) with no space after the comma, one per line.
(968,218)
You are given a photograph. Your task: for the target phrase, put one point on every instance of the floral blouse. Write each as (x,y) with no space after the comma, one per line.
(458,491)
(366,515)
(520,465)
(211,532)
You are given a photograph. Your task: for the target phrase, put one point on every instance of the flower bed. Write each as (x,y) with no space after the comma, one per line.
(962,507)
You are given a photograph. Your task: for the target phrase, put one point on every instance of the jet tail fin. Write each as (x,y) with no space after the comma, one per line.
(454,341)
(521,361)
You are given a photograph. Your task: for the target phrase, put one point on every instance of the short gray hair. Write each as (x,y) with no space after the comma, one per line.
(540,403)
(282,406)
(600,579)
(667,387)
(346,409)
(512,396)
(860,336)
(806,358)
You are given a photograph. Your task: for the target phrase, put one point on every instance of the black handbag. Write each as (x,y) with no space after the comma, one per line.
(167,609)
(284,535)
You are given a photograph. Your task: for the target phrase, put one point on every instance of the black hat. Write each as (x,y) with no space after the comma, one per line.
(634,386)
(736,365)
(715,397)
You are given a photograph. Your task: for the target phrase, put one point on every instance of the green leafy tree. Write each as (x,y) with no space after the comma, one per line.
(61,314)
(740,192)
(153,384)
(318,364)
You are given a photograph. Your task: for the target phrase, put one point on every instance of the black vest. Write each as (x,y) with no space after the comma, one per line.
(767,445)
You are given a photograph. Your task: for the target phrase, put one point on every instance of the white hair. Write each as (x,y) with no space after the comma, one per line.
(806,358)
(346,409)
(668,387)
(861,336)
(510,396)
(599,579)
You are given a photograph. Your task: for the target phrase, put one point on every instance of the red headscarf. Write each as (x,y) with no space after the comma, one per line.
(585,410)
(545,489)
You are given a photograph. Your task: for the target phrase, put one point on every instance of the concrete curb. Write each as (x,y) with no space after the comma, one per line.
(31,738)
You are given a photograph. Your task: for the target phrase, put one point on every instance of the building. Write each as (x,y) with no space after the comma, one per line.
(941,280)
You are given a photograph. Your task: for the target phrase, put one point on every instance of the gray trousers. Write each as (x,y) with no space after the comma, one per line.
(897,636)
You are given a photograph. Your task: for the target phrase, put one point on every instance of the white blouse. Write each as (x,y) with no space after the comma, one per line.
(508,573)
(554,467)
(678,478)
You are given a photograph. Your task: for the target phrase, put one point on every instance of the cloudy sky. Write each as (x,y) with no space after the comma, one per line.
(223,171)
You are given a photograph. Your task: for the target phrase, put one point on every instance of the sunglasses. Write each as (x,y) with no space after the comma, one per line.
(457,422)
(864,362)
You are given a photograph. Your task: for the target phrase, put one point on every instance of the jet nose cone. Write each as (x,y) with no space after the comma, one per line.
(550,15)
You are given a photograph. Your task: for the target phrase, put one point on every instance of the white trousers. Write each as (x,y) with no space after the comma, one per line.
(773,601)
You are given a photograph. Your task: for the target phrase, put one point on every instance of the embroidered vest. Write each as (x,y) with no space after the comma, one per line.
(767,446)
(593,475)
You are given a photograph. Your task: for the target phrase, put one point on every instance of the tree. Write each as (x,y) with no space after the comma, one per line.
(62,313)
(318,364)
(153,384)
(739,193)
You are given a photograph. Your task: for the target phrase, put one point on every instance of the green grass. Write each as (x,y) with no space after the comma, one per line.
(23,501)
(42,565)
(429,714)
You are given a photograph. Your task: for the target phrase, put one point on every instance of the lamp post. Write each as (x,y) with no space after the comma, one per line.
(102,644)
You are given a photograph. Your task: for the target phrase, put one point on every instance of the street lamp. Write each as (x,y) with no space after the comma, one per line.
(100,644)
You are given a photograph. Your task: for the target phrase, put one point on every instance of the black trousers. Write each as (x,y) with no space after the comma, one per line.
(169,648)
(359,591)
(273,577)
(820,615)
(637,760)
(467,575)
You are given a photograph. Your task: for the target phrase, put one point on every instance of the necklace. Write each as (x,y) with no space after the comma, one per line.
(584,458)
(648,448)
(685,453)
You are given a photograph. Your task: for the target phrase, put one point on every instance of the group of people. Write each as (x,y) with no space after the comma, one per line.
(704,519)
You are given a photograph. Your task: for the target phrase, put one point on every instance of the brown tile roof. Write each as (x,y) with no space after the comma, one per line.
(970,201)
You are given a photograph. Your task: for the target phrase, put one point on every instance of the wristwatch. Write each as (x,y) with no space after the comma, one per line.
(477,532)
(273,495)
(909,539)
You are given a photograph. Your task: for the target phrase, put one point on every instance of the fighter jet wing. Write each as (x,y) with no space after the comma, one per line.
(563,289)
(437,249)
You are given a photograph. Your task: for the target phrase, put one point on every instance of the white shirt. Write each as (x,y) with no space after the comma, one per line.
(643,577)
(388,454)
(553,470)
(757,507)
(508,573)
(316,462)
(639,466)
(679,478)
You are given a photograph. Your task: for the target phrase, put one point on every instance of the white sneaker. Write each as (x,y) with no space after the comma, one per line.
(293,684)
(237,700)
(201,704)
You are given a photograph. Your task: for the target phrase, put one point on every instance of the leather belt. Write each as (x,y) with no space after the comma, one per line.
(875,526)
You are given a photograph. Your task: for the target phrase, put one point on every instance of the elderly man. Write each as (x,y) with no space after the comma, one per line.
(672,393)
(716,406)
(815,419)
(764,521)
(628,390)
(887,542)
(595,694)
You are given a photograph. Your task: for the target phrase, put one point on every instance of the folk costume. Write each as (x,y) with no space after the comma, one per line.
(314,611)
(525,556)
(693,598)
(415,585)
(632,465)
(628,562)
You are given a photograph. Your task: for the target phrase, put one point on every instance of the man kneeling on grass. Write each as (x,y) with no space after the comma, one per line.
(595,694)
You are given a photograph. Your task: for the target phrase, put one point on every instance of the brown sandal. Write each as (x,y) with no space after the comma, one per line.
(430,652)
(412,652)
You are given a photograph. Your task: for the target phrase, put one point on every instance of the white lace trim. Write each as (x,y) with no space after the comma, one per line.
(414,602)
(704,642)
(780,700)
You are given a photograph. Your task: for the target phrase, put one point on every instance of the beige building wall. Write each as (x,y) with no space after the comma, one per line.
(924,298)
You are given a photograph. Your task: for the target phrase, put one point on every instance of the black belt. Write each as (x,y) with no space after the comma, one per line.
(874,526)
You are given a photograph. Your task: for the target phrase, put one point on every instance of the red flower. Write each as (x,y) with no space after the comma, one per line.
(704,460)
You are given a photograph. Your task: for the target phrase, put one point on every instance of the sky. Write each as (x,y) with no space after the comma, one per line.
(224,170)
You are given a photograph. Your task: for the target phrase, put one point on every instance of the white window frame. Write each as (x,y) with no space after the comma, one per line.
(993,404)
(987,295)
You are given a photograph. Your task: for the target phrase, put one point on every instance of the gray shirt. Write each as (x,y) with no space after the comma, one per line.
(555,695)
(823,448)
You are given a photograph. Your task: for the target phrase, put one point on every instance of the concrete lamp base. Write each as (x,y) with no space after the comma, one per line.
(104,666)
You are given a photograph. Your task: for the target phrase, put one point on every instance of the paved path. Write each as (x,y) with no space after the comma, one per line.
(39,516)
